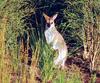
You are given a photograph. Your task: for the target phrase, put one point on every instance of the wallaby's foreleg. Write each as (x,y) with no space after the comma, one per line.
(55,46)
(47,40)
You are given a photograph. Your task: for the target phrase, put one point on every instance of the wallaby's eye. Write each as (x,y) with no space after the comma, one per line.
(51,23)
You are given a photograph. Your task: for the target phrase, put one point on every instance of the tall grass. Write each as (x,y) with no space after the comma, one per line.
(43,57)
(42,66)
(11,68)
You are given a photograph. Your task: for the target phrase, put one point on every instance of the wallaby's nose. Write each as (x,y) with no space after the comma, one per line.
(48,24)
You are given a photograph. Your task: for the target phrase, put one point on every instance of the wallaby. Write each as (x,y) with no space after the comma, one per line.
(54,38)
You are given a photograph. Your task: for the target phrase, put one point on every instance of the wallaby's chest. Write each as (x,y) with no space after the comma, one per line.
(49,33)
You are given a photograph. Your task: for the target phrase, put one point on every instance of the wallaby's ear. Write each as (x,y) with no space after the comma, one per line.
(55,16)
(46,17)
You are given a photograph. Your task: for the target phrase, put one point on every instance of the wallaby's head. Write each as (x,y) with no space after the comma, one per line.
(50,20)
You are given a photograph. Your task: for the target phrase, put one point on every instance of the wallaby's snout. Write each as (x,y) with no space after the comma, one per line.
(48,24)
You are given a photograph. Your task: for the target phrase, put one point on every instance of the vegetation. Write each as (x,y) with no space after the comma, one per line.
(25,57)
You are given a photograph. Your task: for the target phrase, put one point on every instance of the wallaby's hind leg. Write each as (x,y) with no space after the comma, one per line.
(63,63)
(61,58)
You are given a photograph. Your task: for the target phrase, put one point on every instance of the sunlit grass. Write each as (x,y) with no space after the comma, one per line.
(11,68)
(49,72)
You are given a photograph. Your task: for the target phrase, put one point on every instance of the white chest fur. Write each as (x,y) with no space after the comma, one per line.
(49,35)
